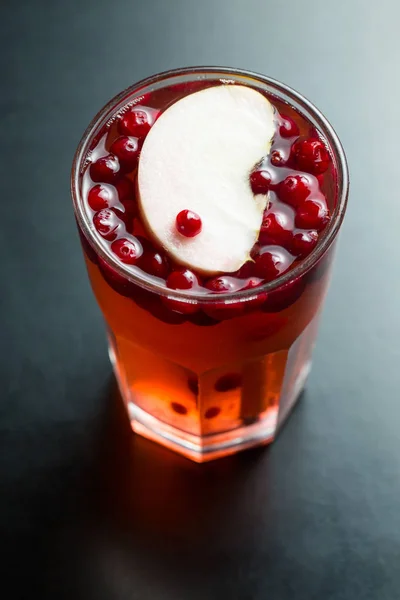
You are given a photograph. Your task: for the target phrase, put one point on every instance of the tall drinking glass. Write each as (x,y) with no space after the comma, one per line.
(204,374)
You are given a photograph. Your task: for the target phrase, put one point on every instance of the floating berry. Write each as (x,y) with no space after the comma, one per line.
(312,214)
(288,128)
(137,121)
(311,155)
(126,149)
(188,223)
(101,196)
(294,189)
(128,251)
(260,181)
(106,169)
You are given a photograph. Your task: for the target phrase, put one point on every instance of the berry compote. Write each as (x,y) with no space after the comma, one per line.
(210,363)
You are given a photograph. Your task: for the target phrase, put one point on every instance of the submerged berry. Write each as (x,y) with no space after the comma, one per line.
(228,382)
(153,262)
(179,408)
(212,412)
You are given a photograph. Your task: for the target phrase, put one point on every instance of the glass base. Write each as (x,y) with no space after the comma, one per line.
(215,413)
(201,448)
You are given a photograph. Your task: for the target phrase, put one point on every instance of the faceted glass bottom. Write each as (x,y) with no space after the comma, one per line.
(215,413)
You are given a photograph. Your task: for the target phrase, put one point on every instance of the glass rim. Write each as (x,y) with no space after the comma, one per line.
(269,85)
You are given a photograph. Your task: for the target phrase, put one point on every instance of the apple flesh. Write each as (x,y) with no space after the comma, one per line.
(198,156)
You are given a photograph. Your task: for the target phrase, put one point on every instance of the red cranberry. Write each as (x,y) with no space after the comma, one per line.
(220,310)
(153,262)
(258,301)
(163,313)
(304,242)
(266,330)
(228,309)
(294,189)
(126,149)
(106,169)
(188,223)
(252,283)
(312,214)
(284,296)
(245,270)
(201,319)
(222,285)
(100,196)
(271,262)
(128,251)
(137,121)
(125,189)
(278,158)
(288,128)
(179,408)
(321,268)
(212,412)
(127,198)
(107,223)
(311,155)
(153,304)
(143,298)
(193,384)
(228,382)
(118,283)
(182,280)
(87,248)
(260,181)
(275,229)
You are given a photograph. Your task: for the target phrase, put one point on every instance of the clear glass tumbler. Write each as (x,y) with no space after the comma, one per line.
(225,376)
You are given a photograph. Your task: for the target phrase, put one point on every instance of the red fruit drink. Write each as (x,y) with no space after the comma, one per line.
(209,360)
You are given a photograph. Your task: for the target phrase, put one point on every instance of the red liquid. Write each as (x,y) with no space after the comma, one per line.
(207,377)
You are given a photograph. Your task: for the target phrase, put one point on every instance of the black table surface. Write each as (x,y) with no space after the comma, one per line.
(87,509)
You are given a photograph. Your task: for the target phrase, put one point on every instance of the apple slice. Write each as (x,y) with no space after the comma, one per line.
(198,157)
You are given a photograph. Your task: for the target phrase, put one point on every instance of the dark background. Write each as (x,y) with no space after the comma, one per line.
(89,511)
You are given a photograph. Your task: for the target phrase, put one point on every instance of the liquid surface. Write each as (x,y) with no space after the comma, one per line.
(297,174)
